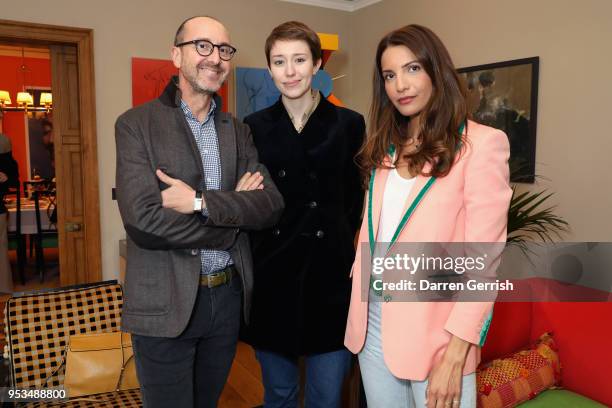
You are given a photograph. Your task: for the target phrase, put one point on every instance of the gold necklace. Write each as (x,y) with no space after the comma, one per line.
(316,97)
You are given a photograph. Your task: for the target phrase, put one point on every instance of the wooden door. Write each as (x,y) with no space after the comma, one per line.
(78,234)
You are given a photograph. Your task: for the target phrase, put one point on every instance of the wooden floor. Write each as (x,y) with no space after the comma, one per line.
(32,280)
(244,388)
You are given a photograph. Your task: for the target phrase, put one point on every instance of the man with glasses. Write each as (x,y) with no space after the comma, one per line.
(189,185)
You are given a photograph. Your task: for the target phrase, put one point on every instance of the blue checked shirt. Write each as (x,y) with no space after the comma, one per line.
(208,144)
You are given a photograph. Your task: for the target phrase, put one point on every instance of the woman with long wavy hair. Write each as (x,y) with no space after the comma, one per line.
(432,176)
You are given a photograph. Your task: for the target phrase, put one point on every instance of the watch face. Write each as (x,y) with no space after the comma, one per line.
(197,204)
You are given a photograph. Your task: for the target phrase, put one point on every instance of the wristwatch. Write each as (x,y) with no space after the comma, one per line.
(197,201)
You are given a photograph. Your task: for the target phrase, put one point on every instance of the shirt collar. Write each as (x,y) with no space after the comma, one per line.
(189,114)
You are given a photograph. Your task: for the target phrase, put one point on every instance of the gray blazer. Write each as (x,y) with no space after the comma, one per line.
(163,260)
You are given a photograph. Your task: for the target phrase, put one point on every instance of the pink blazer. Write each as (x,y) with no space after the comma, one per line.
(470,204)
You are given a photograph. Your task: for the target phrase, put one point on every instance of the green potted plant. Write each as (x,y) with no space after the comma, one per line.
(530,217)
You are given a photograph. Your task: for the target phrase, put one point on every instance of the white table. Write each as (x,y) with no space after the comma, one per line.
(28,217)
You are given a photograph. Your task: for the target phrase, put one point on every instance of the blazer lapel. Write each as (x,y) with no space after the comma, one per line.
(227,150)
(317,128)
(418,185)
(380,180)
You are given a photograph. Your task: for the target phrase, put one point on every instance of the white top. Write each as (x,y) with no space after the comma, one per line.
(396,193)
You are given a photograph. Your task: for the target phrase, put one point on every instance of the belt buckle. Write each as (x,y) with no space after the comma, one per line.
(218,278)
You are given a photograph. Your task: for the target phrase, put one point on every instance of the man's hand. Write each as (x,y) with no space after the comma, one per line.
(250,182)
(3,177)
(179,196)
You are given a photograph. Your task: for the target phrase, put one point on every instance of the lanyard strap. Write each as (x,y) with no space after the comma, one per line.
(405,218)
(410,209)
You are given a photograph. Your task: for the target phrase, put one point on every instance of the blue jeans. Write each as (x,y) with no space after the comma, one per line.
(325,374)
(382,388)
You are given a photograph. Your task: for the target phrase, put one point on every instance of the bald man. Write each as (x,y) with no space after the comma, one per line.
(189,187)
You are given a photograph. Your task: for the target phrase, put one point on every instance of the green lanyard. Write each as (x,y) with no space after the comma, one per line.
(405,218)
(410,209)
(399,228)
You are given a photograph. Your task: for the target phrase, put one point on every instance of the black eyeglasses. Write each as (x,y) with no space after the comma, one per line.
(205,48)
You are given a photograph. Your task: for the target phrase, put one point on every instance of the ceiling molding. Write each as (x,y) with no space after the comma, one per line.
(344,5)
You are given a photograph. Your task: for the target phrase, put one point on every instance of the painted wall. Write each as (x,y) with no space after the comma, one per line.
(11,80)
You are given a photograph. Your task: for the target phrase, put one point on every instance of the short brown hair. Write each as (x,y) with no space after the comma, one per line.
(294,30)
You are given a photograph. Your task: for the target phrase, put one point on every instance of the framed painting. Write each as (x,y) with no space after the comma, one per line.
(504,95)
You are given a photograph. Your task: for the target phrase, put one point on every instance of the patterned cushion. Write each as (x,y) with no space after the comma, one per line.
(506,382)
(39,324)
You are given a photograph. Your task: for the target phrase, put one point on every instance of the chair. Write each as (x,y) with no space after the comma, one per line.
(45,237)
(29,187)
(38,326)
(16,238)
(34,185)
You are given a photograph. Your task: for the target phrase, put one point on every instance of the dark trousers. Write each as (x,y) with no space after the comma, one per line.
(191,369)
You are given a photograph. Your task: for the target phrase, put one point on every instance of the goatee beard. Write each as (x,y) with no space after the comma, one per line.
(198,89)
(191,77)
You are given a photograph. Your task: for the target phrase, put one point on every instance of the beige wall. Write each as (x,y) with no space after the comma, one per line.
(571,39)
(145,28)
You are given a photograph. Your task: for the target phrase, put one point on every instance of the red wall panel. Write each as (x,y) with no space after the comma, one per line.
(11,79)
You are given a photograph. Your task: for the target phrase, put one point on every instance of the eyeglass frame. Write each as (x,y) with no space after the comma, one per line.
(212,49)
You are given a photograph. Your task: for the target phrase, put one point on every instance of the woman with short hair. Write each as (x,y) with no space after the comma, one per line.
(302,264)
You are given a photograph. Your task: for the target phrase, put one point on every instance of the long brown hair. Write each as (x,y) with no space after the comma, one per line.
(440,119)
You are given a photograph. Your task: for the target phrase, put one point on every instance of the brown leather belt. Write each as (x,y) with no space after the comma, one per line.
(218,278)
